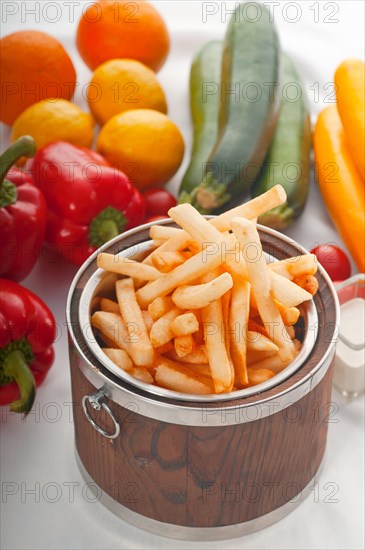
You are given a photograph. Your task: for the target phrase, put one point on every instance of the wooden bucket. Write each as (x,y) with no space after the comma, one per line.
(198,468)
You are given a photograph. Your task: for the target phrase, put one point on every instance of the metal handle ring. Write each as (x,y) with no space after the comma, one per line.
(97,401)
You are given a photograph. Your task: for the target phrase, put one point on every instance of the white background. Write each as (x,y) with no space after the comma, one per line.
(38,454)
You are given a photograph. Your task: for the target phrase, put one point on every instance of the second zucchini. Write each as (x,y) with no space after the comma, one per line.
(288,159)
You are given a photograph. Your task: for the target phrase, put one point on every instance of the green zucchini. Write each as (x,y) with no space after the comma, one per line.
(247,117)
(288,159)
(205,78)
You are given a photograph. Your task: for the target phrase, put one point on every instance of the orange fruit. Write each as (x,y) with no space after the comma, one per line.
(33,66)
(122,29)
(122,84)
(57,120)
(143,143)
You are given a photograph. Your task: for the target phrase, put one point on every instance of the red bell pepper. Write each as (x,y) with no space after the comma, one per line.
(27,331)
(89,202)
(22,213)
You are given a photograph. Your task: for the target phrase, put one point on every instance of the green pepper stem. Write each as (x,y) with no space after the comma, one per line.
(109,223)
(108,230)
(15,366)
(23,147)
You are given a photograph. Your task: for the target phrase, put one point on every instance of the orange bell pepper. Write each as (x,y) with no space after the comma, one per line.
(350,92)
(340,183)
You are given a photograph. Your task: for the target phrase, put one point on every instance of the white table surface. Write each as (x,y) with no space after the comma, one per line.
(45,502)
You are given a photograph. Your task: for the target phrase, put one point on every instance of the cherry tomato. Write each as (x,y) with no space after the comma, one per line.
(334,260)
(158,202)
(155,218)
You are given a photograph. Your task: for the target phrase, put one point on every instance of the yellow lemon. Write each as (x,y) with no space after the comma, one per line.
(123,84)
(55,120)
(143,143)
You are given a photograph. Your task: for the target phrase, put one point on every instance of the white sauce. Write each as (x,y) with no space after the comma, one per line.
(349,375)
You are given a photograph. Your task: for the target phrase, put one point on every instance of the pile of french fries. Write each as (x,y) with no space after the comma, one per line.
(204,313)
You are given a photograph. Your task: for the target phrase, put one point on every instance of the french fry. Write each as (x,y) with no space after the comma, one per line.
(120,357)
(142,374)
(255,356)
(163,360)
(160,306)
(112,328)
(198,296)
(174,244)
(202,369)
(148,321)
(219,361)
(238,320)
(291,331)
(128,267)
(287,292)
(251,209)
(308,282)
(182,380)
(289,315)
(197,356)
(162,233)
(274,363)
(259,342)
(257,376)
(247,235)
(184,345)
(161,331)
(196,266)
(108,305)
(185,324)
(295,266)
(141,347)
(199,229)
(226,304)
(166,261)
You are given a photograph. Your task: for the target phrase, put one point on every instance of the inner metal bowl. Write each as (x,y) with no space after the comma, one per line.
(102,283)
